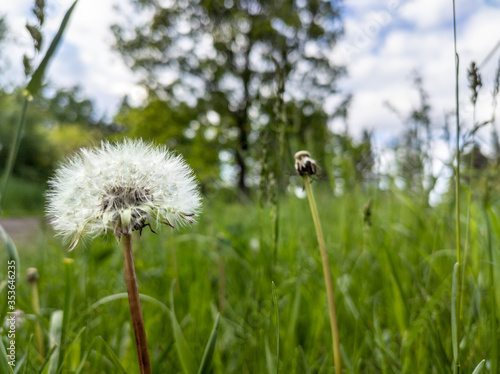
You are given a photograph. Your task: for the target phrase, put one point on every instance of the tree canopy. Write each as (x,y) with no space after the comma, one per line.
(225,61)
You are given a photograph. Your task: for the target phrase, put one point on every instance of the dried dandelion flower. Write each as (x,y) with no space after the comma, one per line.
(304,164)
(121,187)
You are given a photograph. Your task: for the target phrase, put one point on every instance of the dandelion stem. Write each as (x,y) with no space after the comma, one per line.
(328,278)
(135,306)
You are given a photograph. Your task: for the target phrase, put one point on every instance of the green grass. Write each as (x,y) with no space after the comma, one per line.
(23,198)
(393,294)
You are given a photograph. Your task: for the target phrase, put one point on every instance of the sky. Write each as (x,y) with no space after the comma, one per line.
(385,44)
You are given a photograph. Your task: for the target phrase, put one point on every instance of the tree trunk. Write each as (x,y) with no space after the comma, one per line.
(242,124)
(241,150)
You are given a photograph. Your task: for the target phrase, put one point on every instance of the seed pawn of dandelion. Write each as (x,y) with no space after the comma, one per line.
(122,187)
(307,167)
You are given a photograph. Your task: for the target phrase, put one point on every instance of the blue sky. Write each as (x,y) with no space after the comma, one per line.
(384,43)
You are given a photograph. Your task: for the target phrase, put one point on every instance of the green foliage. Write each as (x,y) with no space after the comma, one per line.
(176,128)
(206,361)
(3,29)
(36,81)
(185,355)
(54,128)
(23,198)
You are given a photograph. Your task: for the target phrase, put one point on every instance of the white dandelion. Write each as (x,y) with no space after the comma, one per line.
(121,187)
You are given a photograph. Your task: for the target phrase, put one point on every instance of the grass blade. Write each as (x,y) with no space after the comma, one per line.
(292,324)
(123,295)
(36,80)
(47,359)
(454,320)
(85,355)
(4,360)
(73,346)
(25,357)
(13,151)
(68,304)
(114,357)
(209,349)
(271,366)
(56,320)
(32,89)
(185,354)
(479,367)
(277,315)
(11,249)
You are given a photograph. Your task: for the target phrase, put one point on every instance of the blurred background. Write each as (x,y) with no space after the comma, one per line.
(367,86)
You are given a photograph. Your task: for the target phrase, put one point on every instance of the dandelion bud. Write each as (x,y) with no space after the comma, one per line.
(304,164)
(32,275)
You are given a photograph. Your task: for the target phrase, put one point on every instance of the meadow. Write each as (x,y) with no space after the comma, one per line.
(392,271)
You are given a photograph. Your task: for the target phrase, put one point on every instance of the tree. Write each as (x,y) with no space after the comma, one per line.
(3,29)
(158,122)
(222,56)
(413,152)
(55,127)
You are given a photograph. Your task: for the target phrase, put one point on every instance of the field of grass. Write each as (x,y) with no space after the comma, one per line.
(23,198)
(393,289)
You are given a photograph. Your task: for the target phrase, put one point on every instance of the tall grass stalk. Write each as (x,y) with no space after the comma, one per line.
(32,89)
(35,303)
(491,276)
(328,277)
(13,150)
(135,306)
(456,336)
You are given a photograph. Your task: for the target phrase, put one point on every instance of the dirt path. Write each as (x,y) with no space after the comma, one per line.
(22,230)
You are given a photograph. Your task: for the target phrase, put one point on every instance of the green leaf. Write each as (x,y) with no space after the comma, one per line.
(185,354)
(479,367)
(124,295)
(454,321)
(305,365)
(68,304)
(114,357)
(209,349)
(25,358)
(73,352)
(4,360)
(56,320)
(270,364)
(37,78)
(85,355)
(11,249)
(277,315)
(291,332)
(47,359)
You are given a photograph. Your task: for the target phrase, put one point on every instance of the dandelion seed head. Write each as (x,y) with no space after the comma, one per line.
(304,164)
(121,187)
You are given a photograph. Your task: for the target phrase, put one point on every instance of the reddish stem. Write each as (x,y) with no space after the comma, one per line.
(135,306)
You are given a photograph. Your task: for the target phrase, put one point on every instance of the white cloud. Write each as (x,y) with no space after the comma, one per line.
(419,37)
(84,57)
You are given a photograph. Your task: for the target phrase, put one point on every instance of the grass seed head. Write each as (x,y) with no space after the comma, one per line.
(475,81)
(121,187)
